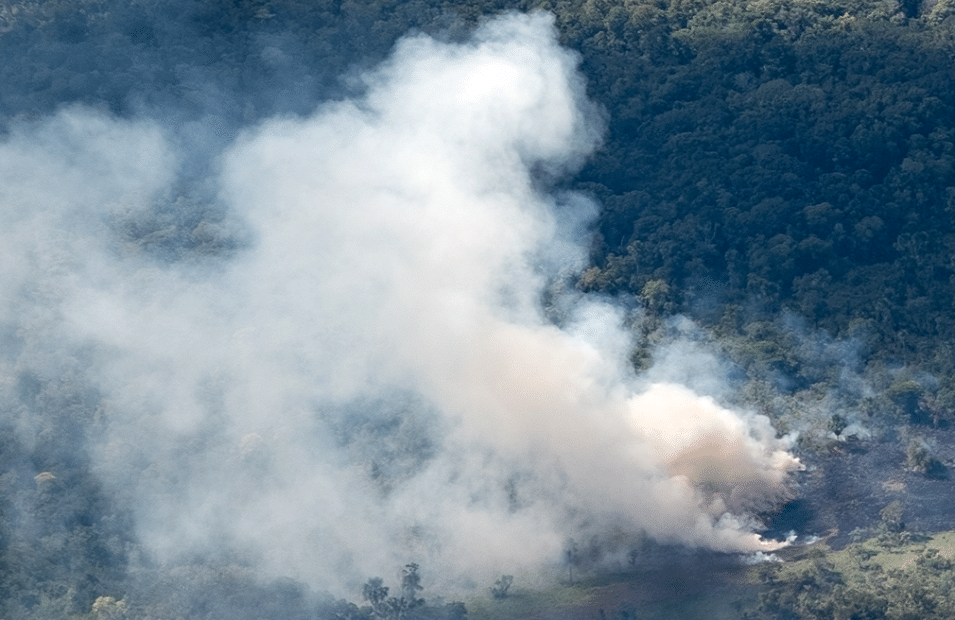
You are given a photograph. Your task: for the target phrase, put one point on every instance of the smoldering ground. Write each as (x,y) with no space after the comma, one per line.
(348,368)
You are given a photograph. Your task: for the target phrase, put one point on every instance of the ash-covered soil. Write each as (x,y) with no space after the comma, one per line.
(843,488)
(671,581)
(847,487)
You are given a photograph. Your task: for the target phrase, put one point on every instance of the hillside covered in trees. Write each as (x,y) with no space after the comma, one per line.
(761,159)
(780,172)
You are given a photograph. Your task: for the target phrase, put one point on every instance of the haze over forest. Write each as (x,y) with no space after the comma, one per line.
(295,295)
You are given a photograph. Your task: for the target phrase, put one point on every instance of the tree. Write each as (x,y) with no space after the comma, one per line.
(387,607)
(920,457)
(108,608)
(411,584)
(501,586)
(375,594)
(837,424)
(572,557)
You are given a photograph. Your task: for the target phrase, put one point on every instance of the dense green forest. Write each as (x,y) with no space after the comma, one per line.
(782,172)
(761,159)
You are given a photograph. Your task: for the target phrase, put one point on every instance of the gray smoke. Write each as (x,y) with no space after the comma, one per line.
(351,369)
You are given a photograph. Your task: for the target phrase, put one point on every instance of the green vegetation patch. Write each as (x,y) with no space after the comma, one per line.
(884,577)
(530,603)
(868,555)
(872,579)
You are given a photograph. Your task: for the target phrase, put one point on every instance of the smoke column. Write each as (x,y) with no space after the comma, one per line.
(367,377)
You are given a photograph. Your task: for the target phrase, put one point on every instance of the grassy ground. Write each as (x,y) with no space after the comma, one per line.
(686,591)
(531,604)
(613,603)
(679,590)
(846,561)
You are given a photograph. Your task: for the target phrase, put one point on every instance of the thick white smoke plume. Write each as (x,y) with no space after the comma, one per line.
(369,379)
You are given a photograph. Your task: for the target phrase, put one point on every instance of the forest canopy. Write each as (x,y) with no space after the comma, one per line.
(782,172)
(761,156)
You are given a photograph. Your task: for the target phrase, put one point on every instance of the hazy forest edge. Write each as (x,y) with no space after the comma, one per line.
(776,187)
(762,159)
